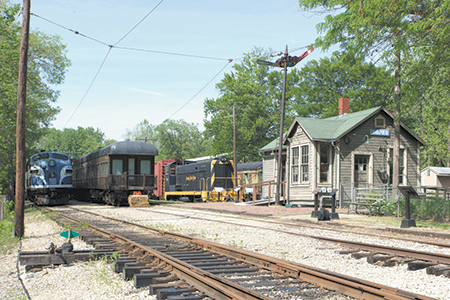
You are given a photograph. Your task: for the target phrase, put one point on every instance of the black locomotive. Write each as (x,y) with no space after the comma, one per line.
(200,181)
(49,178)
(112,173)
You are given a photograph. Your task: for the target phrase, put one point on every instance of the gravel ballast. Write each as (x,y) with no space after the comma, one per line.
(96,280)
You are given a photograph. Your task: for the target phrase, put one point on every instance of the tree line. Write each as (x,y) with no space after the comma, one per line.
(391,53)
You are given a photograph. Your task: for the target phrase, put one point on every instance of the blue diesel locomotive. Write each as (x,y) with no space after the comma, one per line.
(49,178)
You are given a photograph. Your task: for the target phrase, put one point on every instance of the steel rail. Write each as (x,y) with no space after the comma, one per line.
(211,285)
(268,219)
(350,286)
(420,255)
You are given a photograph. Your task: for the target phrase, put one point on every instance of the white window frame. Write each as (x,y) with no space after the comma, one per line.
(329,164)
(405,165)
(295,164)
(299,164)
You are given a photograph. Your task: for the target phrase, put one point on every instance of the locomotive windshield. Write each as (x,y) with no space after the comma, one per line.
(60,156)
(41,156)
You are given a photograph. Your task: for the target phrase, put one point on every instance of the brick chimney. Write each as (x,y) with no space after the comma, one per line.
(344,105)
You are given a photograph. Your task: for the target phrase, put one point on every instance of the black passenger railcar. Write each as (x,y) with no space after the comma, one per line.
(200,181)
(112,173)
(49,178)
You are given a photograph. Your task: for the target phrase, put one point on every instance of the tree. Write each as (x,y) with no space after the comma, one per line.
(322,82)
(74,142)
(47,64)
(180,139)
(143,131)
(386,30)
(255,92)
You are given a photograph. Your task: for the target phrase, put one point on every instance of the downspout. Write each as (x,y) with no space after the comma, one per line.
(287,190)
(333,143)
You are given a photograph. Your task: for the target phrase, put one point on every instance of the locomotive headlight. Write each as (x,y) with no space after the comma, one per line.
(51,163)
(52,174)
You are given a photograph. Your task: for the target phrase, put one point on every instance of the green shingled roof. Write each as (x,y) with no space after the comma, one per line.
(334,127)
(330,128)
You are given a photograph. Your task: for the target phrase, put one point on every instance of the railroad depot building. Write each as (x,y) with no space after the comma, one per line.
(351,150)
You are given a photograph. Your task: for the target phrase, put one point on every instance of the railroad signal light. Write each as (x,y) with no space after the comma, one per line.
(290,61)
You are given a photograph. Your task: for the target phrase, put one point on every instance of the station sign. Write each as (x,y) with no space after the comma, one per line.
(379,132)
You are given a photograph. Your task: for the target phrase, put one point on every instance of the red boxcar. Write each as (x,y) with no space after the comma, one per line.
(159,173)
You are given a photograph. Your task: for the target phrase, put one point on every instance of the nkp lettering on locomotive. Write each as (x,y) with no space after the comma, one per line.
(49,178)
(112,173)
(200,181)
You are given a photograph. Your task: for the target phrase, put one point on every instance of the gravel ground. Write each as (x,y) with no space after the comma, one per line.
(90,280)
(95,280)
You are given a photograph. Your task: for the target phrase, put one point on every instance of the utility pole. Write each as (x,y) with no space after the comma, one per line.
(19,224)
(234,139)
(234,146)
(283,62)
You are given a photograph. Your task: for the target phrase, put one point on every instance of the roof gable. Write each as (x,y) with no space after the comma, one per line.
(335,127)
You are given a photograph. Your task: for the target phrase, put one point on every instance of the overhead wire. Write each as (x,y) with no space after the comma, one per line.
(71,30)
(90,85)
(138,23)
(173,53)
(140,50)
(223,68)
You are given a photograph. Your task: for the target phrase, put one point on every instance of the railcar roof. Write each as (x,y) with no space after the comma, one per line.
(123,147)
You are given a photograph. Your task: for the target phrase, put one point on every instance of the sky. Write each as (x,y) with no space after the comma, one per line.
(115,88)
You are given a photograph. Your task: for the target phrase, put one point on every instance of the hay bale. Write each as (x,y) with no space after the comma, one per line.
(138,201)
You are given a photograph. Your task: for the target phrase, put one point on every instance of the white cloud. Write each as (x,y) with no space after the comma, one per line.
(143,91)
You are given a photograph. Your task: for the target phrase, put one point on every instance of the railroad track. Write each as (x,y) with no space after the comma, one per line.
(435,263)
(184,264)
(332,227)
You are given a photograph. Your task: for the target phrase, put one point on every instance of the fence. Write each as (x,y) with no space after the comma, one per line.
(349,193)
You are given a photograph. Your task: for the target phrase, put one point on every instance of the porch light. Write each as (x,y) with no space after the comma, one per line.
(366,137)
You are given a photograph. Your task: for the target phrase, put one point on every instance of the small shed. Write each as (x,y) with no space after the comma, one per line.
(435,177)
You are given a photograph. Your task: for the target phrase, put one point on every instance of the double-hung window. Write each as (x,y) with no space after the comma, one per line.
(401,166)
(300,164)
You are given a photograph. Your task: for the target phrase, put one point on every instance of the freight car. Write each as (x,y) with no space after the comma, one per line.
(192,181)
(48,178)
(112,173)
(160,170)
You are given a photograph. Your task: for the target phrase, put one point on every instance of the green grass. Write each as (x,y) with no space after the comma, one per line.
(7,239)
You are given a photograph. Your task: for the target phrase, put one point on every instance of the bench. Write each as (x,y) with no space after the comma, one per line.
(370,201)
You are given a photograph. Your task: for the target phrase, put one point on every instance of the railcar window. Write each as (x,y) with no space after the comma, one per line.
(145,167)
(117,166)
(131,170)
(41,156)
(60,156)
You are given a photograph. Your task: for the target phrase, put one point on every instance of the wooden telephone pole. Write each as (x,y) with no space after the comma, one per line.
(19,223)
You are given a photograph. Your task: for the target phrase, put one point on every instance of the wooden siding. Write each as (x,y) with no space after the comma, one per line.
(301,191)
(354,143)
(378,148)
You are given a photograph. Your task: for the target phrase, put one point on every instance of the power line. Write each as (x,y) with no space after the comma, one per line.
(173,53)
(229,61)
(71,30)
(139,23)
(90,85)
(128,48)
